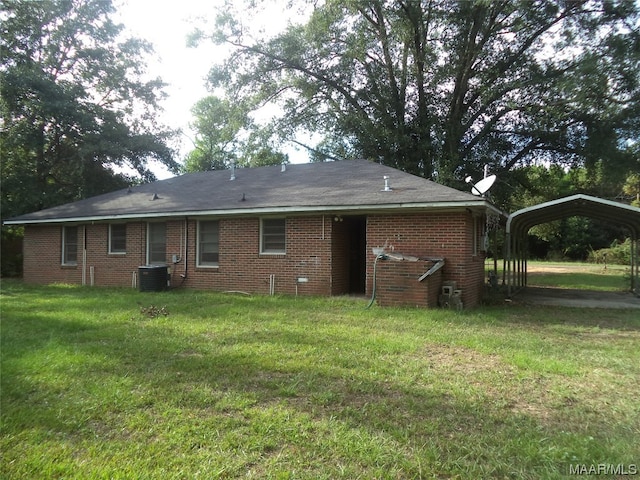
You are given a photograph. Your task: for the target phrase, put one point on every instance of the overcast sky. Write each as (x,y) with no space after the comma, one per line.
(166,24)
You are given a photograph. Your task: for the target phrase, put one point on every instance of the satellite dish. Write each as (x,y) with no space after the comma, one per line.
(483,185)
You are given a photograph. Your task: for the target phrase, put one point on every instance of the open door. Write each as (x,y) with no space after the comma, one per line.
(357,233)
(349,243)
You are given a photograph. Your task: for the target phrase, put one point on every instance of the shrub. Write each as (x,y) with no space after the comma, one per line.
(11,247)
(618,253)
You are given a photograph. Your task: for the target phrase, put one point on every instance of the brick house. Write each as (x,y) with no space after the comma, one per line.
(305,229)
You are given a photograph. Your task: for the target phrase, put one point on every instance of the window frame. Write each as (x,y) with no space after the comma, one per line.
(149,243)
(111,249)
(476,236)
(199,245)
(283,234)
(66,244)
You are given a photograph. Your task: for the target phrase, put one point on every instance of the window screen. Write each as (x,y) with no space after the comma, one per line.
(157,243)
(70,246)
(118,238)
(273,239)
(208,243)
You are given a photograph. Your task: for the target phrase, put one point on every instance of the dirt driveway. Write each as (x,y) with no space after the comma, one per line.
(566,297)
(567,268)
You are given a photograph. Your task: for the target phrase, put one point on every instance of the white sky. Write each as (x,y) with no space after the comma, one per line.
(166,24)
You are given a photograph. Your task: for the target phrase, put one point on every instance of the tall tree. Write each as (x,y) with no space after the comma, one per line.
(225,135)
(74,104)
(441,87)
(217,123)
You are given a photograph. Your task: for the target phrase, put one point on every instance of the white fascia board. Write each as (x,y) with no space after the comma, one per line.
(477,204)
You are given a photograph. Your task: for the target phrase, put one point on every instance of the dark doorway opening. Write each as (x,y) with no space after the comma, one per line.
(356,231)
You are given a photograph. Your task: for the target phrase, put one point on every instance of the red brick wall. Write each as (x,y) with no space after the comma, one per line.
(115,269)
(242,267)
(42,249)
(314,251)
(43,255)
(441,235)
(397,284)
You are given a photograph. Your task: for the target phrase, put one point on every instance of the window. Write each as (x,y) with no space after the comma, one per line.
(70,246)
(208,244)
(157,244)
(272,235)
(480,235)
(475,236)
(118,238)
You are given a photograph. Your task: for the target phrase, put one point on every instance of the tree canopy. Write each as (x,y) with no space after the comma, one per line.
(76,108)
(440,88)
(225,135)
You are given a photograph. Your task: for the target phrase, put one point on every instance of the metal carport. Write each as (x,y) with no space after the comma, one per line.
(520,222)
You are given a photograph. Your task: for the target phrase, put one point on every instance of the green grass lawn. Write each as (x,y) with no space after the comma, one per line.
(582,276)
(113,383)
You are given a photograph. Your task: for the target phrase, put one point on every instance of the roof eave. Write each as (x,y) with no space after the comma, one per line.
(480,204)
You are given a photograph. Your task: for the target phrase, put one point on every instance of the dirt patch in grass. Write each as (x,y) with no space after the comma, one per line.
(461,359)
(492,376)
(569,297)
(549,399)
(549,269)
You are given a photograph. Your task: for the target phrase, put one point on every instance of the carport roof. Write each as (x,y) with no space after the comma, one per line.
(576,205)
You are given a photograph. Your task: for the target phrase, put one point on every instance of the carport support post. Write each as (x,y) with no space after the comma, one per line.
(517,247)
(635,266)
(634,271)
(637,282)
(507,266)
(516,265)
(520,263)
(525,261)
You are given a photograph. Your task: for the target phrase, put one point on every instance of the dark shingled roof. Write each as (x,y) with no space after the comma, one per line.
(353,185)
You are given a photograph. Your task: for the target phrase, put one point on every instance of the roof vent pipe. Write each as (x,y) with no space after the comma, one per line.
(233,172)
(283,168)
(387,186)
